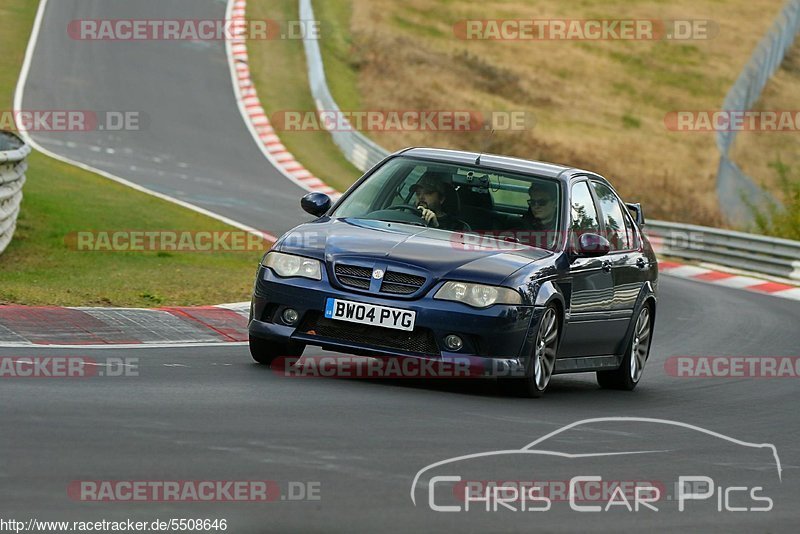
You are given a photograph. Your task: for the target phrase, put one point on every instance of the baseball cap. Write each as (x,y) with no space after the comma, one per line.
(432,181)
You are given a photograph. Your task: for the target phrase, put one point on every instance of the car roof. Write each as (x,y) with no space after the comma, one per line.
(496,161)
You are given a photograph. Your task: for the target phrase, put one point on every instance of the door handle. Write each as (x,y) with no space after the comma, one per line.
(641,263)
(607,266)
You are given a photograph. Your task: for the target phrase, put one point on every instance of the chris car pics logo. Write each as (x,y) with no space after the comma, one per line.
(642,481)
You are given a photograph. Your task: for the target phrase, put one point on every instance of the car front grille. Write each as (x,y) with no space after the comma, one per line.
(420,341)
(401,283)
(353,276)
(397,289)
(354,271)
(352,281)
(394,283)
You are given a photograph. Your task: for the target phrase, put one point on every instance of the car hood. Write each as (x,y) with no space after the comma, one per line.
(444,254)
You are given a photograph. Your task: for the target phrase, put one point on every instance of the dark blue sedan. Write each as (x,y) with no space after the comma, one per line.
(519,268)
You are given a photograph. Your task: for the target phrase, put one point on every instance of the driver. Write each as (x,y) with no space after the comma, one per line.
(430,193)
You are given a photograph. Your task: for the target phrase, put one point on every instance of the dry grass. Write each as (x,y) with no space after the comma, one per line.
(598,104)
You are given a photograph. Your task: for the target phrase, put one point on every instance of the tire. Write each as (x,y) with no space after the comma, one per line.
(629,372)
(265,352)
(539,367)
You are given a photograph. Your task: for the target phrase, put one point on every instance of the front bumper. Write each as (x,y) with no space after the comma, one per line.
(495,338)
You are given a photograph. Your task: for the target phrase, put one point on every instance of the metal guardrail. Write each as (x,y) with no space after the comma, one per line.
(359,150)
(13,152)
(732,183)
(737,250)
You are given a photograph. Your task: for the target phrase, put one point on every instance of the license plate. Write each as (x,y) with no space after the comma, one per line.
(359,312)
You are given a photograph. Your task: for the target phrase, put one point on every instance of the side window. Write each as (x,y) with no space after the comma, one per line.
(618,233)
(583,215)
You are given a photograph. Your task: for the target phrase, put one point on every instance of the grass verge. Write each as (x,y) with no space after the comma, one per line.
(39,268)
(781,220)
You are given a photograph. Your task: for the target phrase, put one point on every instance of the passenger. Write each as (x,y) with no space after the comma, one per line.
(542,216)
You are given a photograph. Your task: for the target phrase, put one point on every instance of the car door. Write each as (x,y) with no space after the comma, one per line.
(629,266)
(592,286)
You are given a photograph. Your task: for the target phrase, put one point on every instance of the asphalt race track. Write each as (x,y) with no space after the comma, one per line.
(192,143)
(210,413)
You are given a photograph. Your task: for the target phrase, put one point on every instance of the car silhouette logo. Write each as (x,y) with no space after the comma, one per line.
(377,274)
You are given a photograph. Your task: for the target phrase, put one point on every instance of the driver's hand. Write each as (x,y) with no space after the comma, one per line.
(429,216)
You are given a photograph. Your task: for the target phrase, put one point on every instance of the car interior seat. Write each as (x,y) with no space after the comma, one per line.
(477,208)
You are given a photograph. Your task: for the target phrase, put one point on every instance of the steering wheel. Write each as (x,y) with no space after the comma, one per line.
(408,207)
(415,210)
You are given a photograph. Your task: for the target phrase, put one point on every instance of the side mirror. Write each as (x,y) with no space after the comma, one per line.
(317,204)
(637,212)
(591,246)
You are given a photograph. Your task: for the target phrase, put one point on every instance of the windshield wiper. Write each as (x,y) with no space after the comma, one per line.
(401,222)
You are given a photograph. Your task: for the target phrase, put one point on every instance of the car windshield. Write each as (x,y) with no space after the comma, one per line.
(463,198)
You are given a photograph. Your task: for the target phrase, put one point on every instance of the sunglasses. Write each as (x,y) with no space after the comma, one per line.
(539,203)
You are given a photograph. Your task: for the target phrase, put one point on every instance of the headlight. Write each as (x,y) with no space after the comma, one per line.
(477,295)
(287,265)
